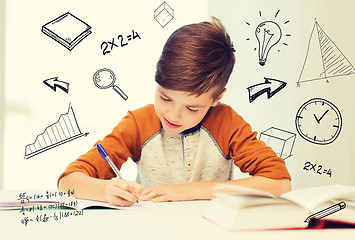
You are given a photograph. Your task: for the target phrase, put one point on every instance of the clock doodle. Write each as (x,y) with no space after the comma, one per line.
(318,121)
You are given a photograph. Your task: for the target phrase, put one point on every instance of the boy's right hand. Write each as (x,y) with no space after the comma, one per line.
(122,193)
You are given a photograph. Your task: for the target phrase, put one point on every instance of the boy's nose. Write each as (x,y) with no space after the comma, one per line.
(175,114)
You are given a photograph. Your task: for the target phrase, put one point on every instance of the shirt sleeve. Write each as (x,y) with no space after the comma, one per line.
(237,140)
(121,143)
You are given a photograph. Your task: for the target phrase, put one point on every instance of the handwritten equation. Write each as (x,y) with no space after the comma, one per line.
(25,197)
(108,46)
(317,168)
(33,206)
(48,206)
(56,216)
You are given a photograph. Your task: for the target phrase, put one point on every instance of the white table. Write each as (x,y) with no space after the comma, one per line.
(171,220)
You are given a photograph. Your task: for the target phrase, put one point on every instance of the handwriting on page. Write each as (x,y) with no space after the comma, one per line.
(34,205)
(308,166)
(45,217)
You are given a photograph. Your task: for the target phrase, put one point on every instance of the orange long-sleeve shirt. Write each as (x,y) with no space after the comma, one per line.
(206,152)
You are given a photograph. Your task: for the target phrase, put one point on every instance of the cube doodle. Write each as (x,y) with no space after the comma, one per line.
(280,141)
(163,14)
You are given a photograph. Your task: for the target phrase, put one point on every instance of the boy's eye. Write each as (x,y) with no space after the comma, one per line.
(165,99)
(192,110)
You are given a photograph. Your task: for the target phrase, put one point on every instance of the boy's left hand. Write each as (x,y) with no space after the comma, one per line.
(179,192)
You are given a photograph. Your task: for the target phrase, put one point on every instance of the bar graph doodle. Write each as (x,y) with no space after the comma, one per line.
(323,58)
(64,130)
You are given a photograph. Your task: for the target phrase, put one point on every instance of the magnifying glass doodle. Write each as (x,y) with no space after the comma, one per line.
(105,78)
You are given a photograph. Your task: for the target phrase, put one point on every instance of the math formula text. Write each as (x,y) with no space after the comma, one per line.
(108,46)
(317,168)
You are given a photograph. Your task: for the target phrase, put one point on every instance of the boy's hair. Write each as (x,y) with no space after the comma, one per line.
(196,58)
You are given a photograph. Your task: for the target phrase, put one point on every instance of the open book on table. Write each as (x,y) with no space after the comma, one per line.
(247,209)
(47,200)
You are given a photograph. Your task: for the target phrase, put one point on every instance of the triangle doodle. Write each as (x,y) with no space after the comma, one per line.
(323,58)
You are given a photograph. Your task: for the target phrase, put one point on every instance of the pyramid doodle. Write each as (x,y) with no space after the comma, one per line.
(323,59)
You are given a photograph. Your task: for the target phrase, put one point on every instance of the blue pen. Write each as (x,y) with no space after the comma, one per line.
(105,156)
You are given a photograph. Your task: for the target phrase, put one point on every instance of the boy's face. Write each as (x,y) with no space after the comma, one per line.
(179,111)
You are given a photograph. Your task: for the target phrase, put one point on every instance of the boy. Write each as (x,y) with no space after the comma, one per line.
(187,141)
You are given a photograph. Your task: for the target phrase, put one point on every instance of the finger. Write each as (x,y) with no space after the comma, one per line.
(136,188)
(120,183)
(117,201)
(162,198)
(129,186)
(150,195)
(125,194)
(120,193)
(145,191)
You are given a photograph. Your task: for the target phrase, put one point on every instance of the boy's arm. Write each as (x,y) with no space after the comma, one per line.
(205,190)
(114,191)
(92,178)
(83,186)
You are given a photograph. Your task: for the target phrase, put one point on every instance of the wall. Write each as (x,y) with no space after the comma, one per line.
(2,54)
(33,57)
(310,162)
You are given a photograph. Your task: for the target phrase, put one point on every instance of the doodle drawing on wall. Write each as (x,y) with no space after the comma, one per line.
(323,58)
(281,141)
(67,29)
(107,46)
(318,121)
(270,87)
(64,130)
(163,14)
(317,168)
(105,78)
(268,34)
(54,83)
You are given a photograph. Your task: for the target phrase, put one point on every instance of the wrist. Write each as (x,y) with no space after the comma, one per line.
(203,190)
(84,186)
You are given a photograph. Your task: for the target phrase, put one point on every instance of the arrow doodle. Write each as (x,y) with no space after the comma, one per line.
(54,83)
(270,86)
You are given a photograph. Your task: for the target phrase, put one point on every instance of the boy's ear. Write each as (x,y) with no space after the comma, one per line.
(215,102)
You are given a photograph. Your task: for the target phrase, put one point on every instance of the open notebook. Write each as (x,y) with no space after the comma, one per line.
(12,200)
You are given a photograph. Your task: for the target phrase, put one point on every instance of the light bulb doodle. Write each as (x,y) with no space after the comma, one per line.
(105,78)
(268,34)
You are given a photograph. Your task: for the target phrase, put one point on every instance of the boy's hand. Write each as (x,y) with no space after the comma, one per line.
(179,192)
(122,193)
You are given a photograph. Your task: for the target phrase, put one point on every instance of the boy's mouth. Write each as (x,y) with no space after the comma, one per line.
(171,125)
